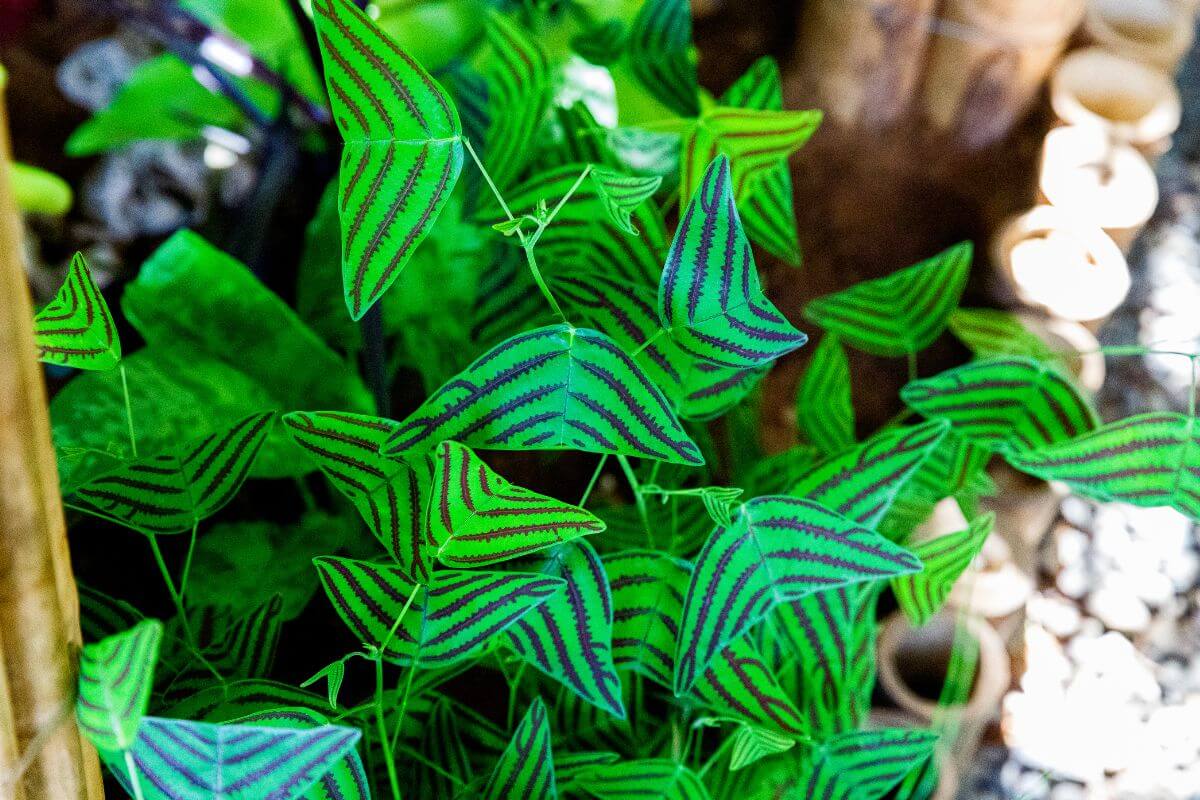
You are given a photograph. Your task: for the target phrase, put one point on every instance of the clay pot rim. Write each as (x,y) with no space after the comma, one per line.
(1084,68)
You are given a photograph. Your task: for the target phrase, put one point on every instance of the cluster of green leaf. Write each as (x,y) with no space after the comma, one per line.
(712,638)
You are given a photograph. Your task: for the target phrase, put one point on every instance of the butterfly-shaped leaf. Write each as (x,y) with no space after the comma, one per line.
(181,760)
(921,594)
(1005,403)
(767,207)
(653,777)
(659,54)
(755,142)
(751,744)
(1147,460)
(518,93)
(621,194)
(778,550)
(862,765)
(823,406)
(403,151)
(115,679)
(988,332)
(709,296)
(172,491)
(861,483)
(75,329)
(390,494)
(526,767)
(551,388)
(477,517)
(900,313)
(569,637)
(346,780)
(451,621)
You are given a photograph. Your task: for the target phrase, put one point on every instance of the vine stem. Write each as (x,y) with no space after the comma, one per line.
(637,496)
(128,411)
(649,341)
(385,741)
(912,365)
(592,483)
(187,561)
(180,611)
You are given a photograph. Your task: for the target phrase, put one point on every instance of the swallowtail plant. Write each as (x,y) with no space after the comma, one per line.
(695,620)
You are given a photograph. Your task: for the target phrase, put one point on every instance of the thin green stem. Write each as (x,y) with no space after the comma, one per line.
(720,751)
(537,234)
(627,468)
(487,177)
(651,340)
(513,688)
(386,742)
(187,561)
(527,246)
(595,478)
(180,611)
(134,780)
(128,411)
(912,365)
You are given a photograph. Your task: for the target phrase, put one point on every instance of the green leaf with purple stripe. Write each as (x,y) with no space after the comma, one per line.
(346,780)
(921,594)
(552,388)
(644,778)
(442,745)
(823,406)
(862,765)
(659,53)
(76,329)
(518,94)
(569,637)
(1006,404)
(709,296)
(900,313)
(116,676)
(525,770)
(172,491)
(402,155)
(476,517)
(1146,460)
(988,333)
(450,621)
(180,760)
(621,194)
(778,550)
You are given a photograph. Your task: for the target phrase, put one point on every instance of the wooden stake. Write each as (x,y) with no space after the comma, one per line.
(39,606)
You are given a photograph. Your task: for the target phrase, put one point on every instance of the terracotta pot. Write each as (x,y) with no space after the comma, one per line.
(1157,32)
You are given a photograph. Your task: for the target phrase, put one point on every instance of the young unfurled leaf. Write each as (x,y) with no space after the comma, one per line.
(719,502)
(622,194)
(115,679)
(345,780)
(333,673)
(170,492)
(75,329)
(756,142)
(901,313)
(861,484)
(751,744)
(518,94)
(862,765)
(526,767)
(778,550)
(181,760)
(1147,460)
(451,621)
(709,296)
(651,777)
(402,151)
(1005,403)
(990,333)
(767,208)
(922,593)
(551,388)
(390,494)
(823,406)
(659,52)
(477,517)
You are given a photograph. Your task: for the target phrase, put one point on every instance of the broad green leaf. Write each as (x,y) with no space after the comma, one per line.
(989,333)
(659,53)
(862,765)
(900,313)
(569,766)
(115,679)
(346,780)
(1147,460)
(709,297)
(778,550)
(402,155)
(653,777)
(241,698)
(389,494)
(921,594)
(518,94)
(101,615)
(579,725)
(451,621)
(172,491)
(778,473)
(862,483)
(576,388)
(755,143)
(526,767)
(239,646)
(443,746)
(768,210)
(478,518)
(75,329)
(920,784)
(181,760)
(569,637)
(1007,404)
(621,194)
(751,744)
(823,407)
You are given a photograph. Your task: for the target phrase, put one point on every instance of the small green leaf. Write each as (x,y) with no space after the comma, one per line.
(751,744)
(508,227)
(945,558)
(622,194)
(75,329)
(115,679)
(333,674)
(526,767)
(823,406)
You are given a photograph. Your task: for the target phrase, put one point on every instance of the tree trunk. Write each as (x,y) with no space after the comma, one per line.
(39,606)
